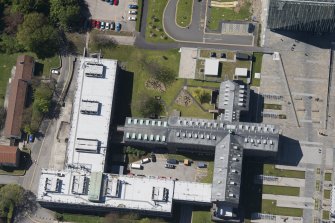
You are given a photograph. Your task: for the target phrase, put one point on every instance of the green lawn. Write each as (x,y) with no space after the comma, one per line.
(328,176)
(155,22)
(325,215)
(281,190)
(82,218)
(192,91)
(7,61)
(270,207)
(326,194)
(217,14)
(203,83)
(272,106)
(209,177)
(201,217)
(184,12)
(256,68)
(192,111)
(269,169)
(139,15)
(132,60)
(228,68)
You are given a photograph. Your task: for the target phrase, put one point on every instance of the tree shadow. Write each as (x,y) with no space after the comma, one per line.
(38,70)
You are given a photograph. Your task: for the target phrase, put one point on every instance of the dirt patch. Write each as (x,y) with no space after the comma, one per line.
(184,99)
(256,9)
(155,85)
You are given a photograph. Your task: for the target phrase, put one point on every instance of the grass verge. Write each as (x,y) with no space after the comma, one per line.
(209,177)
(139,15)
(184,12)
(328,176)
(201,217)
(326,194)
(269,169)
(270,207)
(272,106)
(281,190)
(256,68)
(154,30)
(325,215)
(216,15)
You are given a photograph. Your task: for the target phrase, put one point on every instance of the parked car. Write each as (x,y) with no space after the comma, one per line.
(54,71)
(116,2)
(31,138)
(153,157)
(102,25)
(170,166)
(172,161)
(107,25)
(213,54)
(118,27)
(132,12)
(223,55)
(98,25)
(145,160)
(133,6)
(111,2)
(112,26)
(132,18)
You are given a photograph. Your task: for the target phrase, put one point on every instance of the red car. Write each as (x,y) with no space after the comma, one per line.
(116,2)
(93,23)
(98,23)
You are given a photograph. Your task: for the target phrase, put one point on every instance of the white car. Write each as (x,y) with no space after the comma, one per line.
(132,18)
(53,71)
(107,25)
(132,12)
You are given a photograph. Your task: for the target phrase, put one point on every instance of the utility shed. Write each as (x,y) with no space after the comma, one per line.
(241,72)
(95,187)
(211,67)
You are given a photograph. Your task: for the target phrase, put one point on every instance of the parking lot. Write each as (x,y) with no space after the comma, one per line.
(103,11)
(181,172)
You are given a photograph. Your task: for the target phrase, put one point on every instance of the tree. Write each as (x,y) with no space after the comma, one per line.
(160,73)
(102,41)
(28,6)
(42,98)
(36,35)
(151,107)
(9,44)
(65,13)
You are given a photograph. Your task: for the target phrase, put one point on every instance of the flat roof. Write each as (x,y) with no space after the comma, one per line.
(241,72)
(91,127)
(137,193)
(192,191)
(211,67)
(95,186)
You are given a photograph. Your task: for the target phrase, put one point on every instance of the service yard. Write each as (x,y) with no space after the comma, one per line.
(181,172)
(103,11)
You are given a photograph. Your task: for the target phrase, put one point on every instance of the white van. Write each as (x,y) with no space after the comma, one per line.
(145,160)
(136,166)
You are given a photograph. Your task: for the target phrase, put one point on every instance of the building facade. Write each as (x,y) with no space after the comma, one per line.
(302,15)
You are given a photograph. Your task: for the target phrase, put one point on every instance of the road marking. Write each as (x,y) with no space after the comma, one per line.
(311,143)
(303,94)
(309,79)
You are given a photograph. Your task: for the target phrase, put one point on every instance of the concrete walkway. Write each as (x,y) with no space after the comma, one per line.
(290,167)
(291,201)
(285,181)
